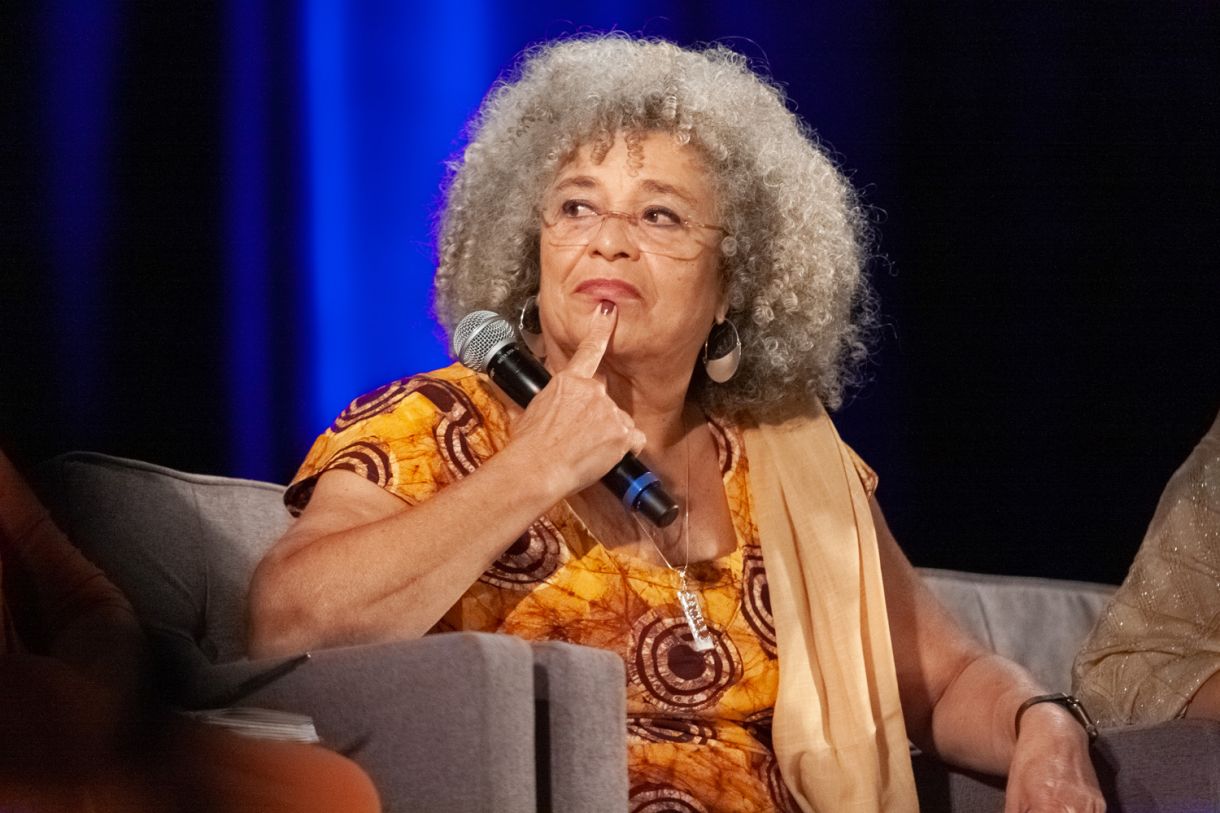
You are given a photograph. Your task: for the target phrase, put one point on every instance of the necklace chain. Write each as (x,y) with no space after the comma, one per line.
(692,608)
(685,526)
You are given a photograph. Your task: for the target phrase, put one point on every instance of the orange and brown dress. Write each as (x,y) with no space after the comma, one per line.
(698,723)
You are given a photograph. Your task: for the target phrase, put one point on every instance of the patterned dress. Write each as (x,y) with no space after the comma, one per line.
(698,724)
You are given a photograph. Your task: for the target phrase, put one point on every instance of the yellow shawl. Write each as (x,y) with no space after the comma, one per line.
(838,732)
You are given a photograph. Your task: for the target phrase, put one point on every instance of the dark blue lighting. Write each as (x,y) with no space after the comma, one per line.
(389,87)
(79,44)
(248,298)
(327,226)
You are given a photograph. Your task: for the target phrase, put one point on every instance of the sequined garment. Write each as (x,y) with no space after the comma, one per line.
(1158,640)
(698,723)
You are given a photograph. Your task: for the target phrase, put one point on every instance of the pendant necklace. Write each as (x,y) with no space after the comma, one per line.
(692,608)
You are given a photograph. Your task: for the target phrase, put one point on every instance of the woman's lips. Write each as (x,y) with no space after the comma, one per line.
(612,289)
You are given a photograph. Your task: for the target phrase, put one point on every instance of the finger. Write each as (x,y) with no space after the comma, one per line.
(589,354)
(638,441)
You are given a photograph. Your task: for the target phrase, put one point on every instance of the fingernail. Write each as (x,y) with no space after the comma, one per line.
(607,307)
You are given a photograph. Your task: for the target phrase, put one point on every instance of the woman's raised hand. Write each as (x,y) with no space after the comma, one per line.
(573,432)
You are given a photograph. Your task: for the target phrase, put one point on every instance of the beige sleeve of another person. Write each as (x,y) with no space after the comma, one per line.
(1155,652)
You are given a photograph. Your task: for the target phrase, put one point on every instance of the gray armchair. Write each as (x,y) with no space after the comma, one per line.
(461,722)
(469,721)
(1040,623)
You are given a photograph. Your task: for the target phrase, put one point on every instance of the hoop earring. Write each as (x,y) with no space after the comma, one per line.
(722,352)
(529,325)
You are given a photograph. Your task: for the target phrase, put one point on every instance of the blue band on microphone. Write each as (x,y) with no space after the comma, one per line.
(637,487)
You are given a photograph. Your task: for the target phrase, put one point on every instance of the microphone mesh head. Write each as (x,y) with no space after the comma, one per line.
(478,336)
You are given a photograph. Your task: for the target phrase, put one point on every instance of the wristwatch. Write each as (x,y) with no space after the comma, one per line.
(1069,702)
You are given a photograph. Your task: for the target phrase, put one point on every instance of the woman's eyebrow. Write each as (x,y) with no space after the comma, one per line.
(576,181)
(650,185)
(662,188)
(647,184)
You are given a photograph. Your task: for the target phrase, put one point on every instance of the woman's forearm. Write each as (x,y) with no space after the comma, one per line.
(973,723)
(334,579)
(357,567)
(1048,764)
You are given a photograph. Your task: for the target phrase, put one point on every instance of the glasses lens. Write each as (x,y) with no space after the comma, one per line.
(568,224)
(678,242)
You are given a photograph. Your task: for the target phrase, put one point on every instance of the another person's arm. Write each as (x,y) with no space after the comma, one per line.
(960,701)
(359,565)
(77,673)
(78,616)
(1155,649)
(1205,704)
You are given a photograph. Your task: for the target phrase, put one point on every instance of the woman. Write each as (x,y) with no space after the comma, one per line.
(1155,652)
(641,206)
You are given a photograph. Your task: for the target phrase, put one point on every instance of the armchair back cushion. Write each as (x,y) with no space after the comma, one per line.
(1039,623)
(181,546)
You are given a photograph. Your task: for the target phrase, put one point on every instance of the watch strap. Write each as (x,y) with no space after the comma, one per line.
(1067,701)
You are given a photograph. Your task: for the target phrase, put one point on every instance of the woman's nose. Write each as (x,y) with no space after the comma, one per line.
(616,237)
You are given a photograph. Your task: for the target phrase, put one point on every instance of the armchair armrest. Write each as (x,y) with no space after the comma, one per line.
(442,723)
(581,713)
(1171,767)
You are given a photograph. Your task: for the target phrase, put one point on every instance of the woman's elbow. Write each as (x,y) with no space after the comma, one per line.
(278,621)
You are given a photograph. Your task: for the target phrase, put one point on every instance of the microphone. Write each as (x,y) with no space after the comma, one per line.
(486,343)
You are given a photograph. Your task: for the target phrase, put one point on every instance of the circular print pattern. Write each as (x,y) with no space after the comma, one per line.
(368,459)
(669,670)
(535,555)
(669,729)
(379,400)
(758,725)
(654,798)
(756,598)
(780,795)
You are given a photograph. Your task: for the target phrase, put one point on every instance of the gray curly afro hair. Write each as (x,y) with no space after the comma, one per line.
(792,263)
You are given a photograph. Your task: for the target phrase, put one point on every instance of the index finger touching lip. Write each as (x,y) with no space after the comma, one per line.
(589,354)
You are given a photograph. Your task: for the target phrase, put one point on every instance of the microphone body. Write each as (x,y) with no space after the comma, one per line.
(517,373)
(483,344)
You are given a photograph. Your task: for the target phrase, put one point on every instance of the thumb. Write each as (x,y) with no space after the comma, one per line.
(588,355)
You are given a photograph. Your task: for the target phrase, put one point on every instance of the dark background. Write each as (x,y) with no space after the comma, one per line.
(1043,179)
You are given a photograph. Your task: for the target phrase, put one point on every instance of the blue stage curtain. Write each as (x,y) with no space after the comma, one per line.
(217,231)
(78,45)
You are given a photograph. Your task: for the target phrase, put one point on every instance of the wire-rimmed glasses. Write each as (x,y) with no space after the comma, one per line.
(655,229)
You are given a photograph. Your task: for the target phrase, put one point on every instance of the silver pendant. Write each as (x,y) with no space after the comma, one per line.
(701,636)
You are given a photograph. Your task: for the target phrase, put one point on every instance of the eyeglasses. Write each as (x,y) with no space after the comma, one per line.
(654,229)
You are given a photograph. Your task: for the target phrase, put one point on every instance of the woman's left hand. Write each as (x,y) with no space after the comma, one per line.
(1051,769)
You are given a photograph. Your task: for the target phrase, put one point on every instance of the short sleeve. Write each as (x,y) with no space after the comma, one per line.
(412,437)
(868,477)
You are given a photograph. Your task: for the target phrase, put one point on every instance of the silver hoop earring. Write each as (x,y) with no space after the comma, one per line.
(722,352)
(529,325)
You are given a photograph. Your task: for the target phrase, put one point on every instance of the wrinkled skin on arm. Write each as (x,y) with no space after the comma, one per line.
(960,701)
